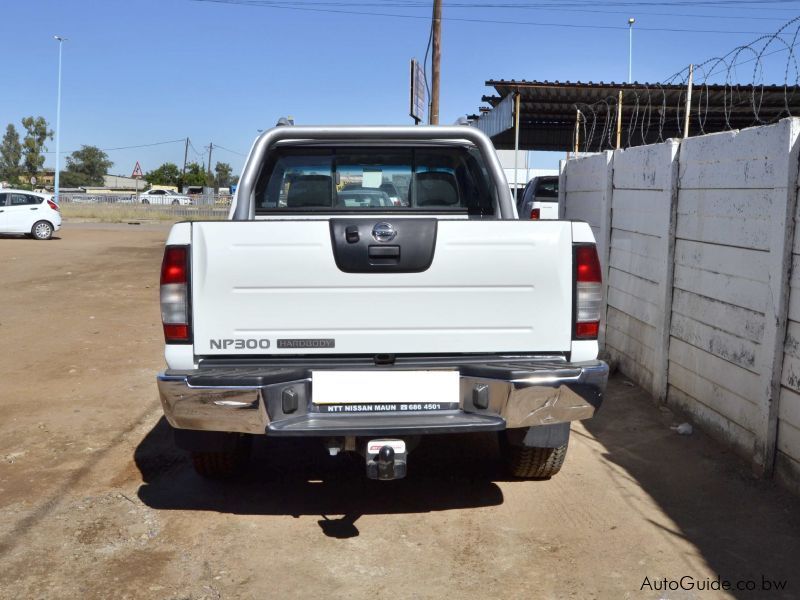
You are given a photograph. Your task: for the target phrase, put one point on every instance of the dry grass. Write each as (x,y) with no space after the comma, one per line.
(121,213)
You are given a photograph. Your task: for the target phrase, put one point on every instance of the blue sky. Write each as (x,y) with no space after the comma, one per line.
(147,71)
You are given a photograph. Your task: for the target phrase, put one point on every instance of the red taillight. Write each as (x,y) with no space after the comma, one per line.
(588,291)
(175,332)
(52,205)
(585,331)
(174,268)
(535,214)
(588,264)
(175,295)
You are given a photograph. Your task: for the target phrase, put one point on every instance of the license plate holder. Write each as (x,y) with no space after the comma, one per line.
(384,391)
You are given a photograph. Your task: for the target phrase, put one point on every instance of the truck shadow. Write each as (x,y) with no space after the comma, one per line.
(744,528)
(296,477)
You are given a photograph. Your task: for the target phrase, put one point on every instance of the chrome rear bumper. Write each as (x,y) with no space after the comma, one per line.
(496,395)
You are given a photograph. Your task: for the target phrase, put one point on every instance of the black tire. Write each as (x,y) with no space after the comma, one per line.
(225,464)
(42,230)
(533,463)
(175,203)
(145,201)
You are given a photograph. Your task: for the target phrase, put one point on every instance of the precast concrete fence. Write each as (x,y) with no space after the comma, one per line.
(701,261)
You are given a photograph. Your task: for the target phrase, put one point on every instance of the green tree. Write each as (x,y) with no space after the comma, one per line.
(10,155)
(72,180)
(223,174)
(33,144)
(166,174)
(195,174)
(87,166)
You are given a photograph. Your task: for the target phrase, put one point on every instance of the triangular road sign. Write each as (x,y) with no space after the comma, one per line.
(137,171)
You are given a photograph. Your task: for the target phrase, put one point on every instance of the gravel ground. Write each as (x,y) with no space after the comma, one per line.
(95,502)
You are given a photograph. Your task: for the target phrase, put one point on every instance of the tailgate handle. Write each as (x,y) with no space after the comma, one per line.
(384,252)
(351,234)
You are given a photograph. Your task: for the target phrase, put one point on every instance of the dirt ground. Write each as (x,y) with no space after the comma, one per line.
(95,502)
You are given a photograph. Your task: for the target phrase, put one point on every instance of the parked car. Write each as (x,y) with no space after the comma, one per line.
(164,197)
(392,192)
(29,213)
(539,199)
(363,198)
(371,327)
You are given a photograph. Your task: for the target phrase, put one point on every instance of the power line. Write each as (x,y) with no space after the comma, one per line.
(560,6)
(640,13)
(218,147)
(124,147)
(198,155)
(264,4)
(741,4)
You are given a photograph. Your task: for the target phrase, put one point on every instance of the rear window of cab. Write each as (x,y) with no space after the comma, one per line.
(367,179)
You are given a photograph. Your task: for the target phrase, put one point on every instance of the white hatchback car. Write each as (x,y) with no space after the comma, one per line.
(29,213)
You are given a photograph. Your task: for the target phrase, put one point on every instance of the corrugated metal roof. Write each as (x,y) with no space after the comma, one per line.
(650,112)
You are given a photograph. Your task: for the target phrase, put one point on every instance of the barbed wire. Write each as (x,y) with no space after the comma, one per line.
(726,94)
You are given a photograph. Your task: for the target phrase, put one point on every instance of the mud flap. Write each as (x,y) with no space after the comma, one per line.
(540,436)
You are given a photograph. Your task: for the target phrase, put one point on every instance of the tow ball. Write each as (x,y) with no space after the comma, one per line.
(386,459)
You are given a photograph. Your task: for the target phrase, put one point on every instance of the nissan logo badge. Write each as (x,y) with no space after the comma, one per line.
(383,232)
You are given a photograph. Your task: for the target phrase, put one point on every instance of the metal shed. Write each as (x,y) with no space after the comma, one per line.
(554,115)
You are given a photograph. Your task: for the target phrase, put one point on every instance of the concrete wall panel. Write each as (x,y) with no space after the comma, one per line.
(729,217)
(737,381)
(703,279)
(737,291)
(740,322)
(726,260)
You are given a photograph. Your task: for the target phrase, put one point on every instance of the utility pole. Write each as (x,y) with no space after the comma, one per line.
(185,156)
(57,182)
(435,61)
(210,150)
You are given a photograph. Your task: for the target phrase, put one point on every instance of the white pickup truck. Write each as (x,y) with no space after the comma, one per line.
(319,309)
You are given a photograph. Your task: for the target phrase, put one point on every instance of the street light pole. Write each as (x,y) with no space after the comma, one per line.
(631,21)
(61,41)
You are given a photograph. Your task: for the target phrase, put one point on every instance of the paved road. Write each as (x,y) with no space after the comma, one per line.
(95,502)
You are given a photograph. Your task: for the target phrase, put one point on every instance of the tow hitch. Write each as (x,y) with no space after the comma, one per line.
(386,459)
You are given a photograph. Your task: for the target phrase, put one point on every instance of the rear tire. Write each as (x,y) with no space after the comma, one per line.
(224,464)
(175,203)
(42,230)
(533,463)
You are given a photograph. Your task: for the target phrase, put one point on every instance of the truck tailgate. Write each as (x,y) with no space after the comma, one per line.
(274,288)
